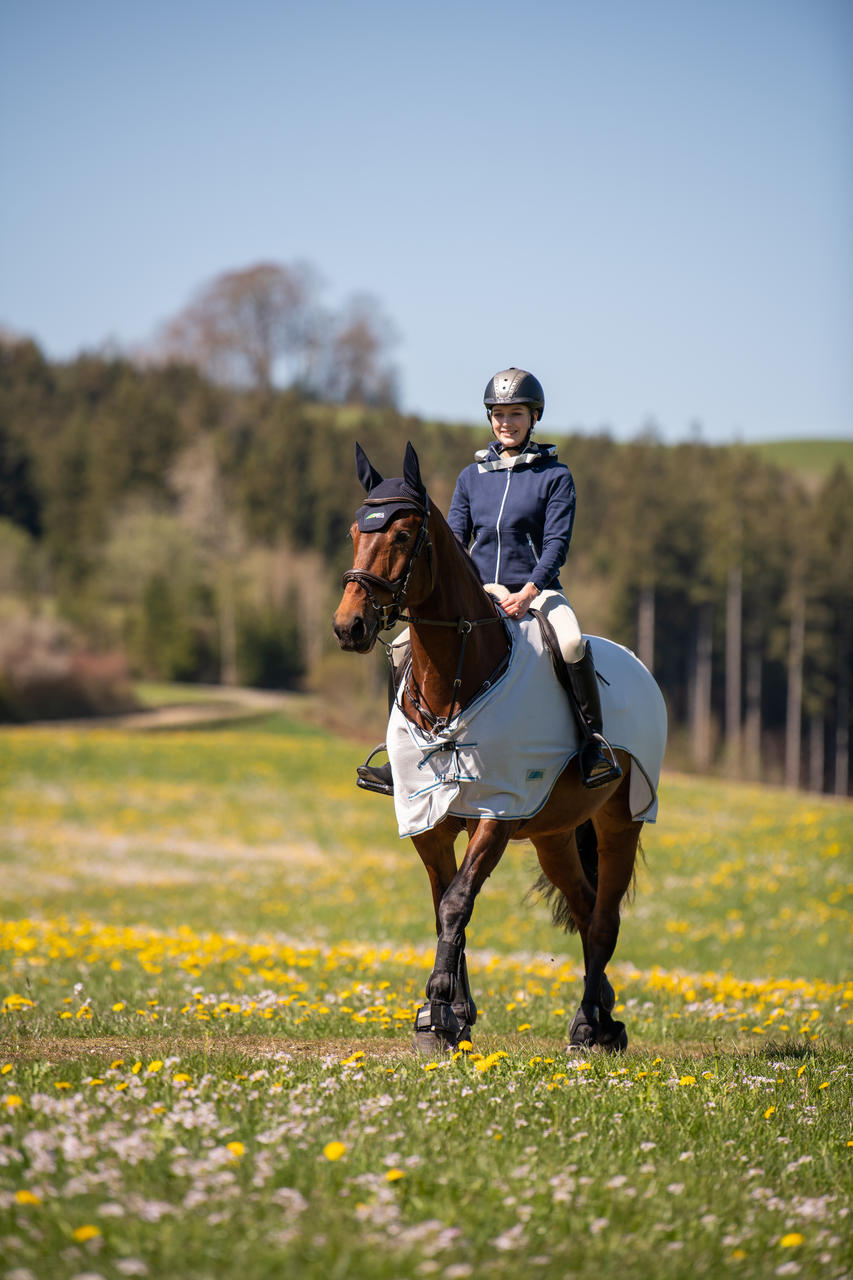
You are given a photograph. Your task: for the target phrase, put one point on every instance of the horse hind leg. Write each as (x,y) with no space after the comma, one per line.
(568,884)
(593,1024)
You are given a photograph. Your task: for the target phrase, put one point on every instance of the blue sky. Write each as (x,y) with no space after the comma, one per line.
(649,204)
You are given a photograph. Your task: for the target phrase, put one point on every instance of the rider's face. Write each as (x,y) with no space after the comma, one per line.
(510,424)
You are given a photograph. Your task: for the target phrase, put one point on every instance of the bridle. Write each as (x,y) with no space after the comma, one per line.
(392,612)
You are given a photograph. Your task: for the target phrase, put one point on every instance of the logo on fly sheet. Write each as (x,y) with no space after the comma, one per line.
(374,515)
(535,775)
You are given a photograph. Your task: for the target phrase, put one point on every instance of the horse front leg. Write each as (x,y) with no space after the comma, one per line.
(436,850)
(449,1012)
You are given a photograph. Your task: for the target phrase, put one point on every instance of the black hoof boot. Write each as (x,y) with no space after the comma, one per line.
(375,777)
(438,1029)
(612,1036)
(581,1033)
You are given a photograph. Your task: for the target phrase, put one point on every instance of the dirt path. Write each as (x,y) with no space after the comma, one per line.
(219,705)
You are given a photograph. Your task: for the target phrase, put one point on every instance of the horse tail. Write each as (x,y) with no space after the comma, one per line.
(587,842)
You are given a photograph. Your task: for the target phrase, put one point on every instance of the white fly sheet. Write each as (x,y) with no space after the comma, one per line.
(502,755)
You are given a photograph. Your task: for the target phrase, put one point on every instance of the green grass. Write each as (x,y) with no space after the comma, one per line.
(814,460)
(214,938)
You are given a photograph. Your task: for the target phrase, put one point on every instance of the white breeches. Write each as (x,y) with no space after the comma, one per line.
(560,614)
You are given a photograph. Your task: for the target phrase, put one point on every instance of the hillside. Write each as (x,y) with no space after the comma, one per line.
(811,460)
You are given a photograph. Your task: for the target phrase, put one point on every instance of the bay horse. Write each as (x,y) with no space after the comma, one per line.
(409,566)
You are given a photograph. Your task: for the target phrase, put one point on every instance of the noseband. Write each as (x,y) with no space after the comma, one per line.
(390,613)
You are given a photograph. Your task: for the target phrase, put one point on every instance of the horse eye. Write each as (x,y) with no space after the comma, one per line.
(402,535)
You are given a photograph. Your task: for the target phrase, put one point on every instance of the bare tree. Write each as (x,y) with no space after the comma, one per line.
(241,324)
(356,369)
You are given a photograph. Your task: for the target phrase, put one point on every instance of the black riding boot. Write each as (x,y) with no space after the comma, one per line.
(597,762)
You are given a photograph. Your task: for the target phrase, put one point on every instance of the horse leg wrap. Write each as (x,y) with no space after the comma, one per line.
(447,957)
(442,980)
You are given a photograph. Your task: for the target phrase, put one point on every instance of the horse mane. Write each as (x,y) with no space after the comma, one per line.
(466,564)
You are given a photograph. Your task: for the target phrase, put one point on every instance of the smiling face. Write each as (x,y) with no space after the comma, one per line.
(510,425)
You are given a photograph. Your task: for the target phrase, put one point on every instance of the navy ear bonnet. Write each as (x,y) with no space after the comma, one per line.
(388,500)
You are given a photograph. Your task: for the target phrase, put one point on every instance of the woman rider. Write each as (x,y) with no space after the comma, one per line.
(517,503)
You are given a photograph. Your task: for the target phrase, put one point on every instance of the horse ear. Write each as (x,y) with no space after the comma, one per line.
(366,472)
(412,470)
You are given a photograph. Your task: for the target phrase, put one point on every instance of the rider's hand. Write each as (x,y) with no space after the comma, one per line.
(516,604)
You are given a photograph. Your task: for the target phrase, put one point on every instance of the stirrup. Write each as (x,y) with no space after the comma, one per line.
(604,768)
(376,778)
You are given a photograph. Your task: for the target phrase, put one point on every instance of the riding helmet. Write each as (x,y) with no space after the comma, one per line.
(515,386)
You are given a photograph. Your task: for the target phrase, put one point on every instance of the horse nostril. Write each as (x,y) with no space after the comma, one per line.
(357,630)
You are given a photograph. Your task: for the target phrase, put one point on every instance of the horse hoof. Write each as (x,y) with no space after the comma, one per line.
(581,1032)
(427,1044)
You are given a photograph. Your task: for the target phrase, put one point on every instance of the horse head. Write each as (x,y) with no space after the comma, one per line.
(392,553)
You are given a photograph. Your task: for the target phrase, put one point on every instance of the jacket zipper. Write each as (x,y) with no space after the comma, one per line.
(497,577)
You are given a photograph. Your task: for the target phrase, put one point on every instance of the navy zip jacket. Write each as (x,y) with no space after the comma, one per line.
(519,509)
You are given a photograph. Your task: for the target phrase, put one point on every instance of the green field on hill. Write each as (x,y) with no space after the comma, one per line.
(211,950)
(814,460)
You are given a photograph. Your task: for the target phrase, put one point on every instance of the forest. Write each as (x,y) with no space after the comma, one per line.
(159,523)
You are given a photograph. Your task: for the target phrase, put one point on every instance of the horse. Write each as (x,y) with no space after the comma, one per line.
(407,565)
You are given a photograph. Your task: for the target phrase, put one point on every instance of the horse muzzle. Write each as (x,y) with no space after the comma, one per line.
(355,631)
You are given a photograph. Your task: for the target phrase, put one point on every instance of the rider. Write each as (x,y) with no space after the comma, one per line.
(518,503)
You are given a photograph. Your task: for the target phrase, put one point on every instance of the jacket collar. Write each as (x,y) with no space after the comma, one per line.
(494,458)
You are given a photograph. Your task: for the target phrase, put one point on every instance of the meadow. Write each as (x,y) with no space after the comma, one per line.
(212,946)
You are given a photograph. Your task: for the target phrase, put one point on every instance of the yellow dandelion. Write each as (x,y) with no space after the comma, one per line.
(122,1084)
(394,1175)
(769,1112)
(118,1006)
(181,1078)
(334,1150)
(13,1100)
(26,1197)
(62,1084)
(119,1062)
(739,1254)
(465,1045)
(687,1080)
(791,1240)
(524,1026)
(236,1148)
(5,1069)
(153,1067)
(136,1068)
(87,1232)
(824,1085)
